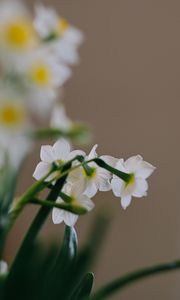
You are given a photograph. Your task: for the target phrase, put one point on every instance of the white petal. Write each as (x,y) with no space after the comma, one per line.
(70,219)
(46,154)
(65,74)
(59,118)
(74,153)
(86,202)
(132,163)
(118,186)
(120,166)
(41,170)
(103,184)
(57,215)
(125,201)
(78,186)
(61,149)
(141,187)
(91,189)
(93,153)
(65,52)
(76,176)
(3,267)
(145,170)
(110,160)
(73,36)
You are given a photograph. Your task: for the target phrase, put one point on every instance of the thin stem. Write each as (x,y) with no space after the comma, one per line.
(73,208)
(18,206)
(122,282)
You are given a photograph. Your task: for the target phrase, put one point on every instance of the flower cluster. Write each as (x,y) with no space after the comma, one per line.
(89,174)
(36,55)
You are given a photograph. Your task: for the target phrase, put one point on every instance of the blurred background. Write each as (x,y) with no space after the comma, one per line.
(127,88)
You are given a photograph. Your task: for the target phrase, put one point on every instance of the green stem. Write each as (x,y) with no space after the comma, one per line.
(73,208)
(101,163)
(18,206)
(122,282)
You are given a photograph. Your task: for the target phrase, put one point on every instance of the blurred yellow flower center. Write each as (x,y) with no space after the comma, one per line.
(19,34)
(63,25)
(10,115)
(40,74)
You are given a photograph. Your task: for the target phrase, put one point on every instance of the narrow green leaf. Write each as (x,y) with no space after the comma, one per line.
(32,233)
(118,284)
(84,289)
(69,248)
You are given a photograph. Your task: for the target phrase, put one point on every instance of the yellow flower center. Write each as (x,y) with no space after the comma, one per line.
(91,175)
(63,25)
(131,180)
(19,34)
(40,74)
(11,115)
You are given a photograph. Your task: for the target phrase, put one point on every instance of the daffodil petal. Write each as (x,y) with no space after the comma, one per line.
(132,163)
(41,170)
(145,170)
(91,189)
(141,187)
(125,201)
(61,149)
(46,154)
(70,219)
(86,202)
(117,186)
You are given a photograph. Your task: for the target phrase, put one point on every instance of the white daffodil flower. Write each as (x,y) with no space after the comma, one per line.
(76,193)
(16,28)
(59,118)
(63,39)
(43,76)
(100,178)
(13,115)
(3,267)
(137,186)
(60,153)
(15,148)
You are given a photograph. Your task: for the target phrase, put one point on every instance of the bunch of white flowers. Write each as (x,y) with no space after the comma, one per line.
(94,173)
(36,55)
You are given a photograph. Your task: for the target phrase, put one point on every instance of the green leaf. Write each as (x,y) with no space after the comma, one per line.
(32,233)
(122,282)
(60,277)
(84,289)
(69,248)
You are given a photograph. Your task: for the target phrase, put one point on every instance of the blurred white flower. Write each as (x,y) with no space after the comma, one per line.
(137,185)
(43,77)
(78,198)
(16,28)
(60,153)
(3,267)
(14,125)
(63,38)
(13,117)
(59,119)
(14,148)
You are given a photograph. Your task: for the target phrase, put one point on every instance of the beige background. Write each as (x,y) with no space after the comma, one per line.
(127,88)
